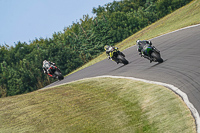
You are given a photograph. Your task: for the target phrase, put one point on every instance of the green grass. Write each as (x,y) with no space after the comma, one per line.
(183,17)
(100,105)
(105,104)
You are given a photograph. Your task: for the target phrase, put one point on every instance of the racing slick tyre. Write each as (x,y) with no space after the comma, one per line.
(156,56)
(59,75)
(122,59)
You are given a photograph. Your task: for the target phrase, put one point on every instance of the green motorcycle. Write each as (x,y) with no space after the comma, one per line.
(152,53)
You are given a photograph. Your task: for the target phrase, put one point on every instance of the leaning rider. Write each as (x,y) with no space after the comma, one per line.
(46,67)
(140,49)
(109,50)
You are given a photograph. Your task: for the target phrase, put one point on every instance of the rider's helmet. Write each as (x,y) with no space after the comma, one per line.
(44,61)
(106,47)
(137,42)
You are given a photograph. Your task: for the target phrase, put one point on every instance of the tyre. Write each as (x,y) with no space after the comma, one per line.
(59,75)
(122,59)
(157,57)
(122,54)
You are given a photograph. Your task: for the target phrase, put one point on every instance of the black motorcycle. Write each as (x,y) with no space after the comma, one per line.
(54,71)
(117,56)
(152,53)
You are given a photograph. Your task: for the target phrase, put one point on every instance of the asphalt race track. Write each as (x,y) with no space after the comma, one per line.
(180,51)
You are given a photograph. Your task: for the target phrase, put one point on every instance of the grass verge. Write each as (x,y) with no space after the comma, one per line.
(97,105)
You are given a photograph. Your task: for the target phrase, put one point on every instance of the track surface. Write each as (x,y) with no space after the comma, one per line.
(181,67)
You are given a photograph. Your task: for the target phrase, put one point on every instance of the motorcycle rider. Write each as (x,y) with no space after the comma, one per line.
(46,68)
(140,49)
(108,52)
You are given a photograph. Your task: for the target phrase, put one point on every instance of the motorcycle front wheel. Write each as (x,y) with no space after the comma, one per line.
(157,57)
(122,59)
(59,75)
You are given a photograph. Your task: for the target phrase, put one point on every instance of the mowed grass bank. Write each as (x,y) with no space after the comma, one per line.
(186,16)
(100,105)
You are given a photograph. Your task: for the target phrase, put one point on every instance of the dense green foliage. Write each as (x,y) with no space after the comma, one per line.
(21,66)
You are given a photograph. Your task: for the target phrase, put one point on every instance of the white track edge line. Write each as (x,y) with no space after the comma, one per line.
(177,30)
(169,33)
(174,89)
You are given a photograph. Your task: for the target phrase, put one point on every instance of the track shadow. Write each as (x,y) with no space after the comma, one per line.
(157,64)
(150,67)
(118,68)
(132,61)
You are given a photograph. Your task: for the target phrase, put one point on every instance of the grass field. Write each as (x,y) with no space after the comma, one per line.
(98,105)
(105,105)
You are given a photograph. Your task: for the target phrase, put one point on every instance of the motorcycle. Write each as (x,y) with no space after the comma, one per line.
(117,56)
(153,53)
(54,72)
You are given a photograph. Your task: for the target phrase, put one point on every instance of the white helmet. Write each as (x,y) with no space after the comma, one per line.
(137,42)
(44,61)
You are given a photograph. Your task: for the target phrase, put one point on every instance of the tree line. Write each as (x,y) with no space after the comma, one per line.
(21,65)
